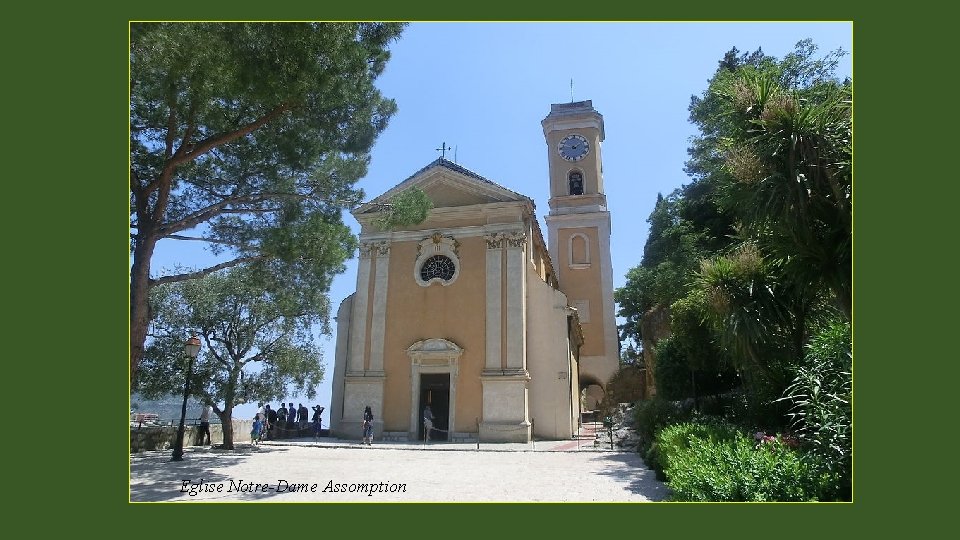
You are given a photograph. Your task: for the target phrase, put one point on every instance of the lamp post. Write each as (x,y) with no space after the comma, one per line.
(192,348)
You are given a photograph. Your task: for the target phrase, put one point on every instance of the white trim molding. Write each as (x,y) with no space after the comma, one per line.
(435,355)
(586,252)
(437,244)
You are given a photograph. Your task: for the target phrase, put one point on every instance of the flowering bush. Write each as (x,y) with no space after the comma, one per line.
(718,463)
(787,439)
(762,438)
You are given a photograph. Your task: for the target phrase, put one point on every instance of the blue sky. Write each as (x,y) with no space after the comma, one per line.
(483,88)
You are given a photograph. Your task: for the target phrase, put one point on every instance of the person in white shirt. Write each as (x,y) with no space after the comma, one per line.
(264,422)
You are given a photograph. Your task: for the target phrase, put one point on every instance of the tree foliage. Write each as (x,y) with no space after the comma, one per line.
(792,171)
(753,255)
(776,138)
(685,227)
(408,206)
(691,363)
(257,341)
(249,138)
(775,141)
(752,258)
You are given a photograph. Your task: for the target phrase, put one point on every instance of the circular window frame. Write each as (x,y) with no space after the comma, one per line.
(428,249)
(447,266)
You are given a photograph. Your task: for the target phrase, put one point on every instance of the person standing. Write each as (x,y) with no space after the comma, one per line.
(367,426)
(205,424)
(317,423)
(427,421)
(282,421)
(255,430)
(261,412)
(303,416)
(292,419)
(271,422)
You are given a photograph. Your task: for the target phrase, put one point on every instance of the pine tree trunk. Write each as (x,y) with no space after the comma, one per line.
(139,301)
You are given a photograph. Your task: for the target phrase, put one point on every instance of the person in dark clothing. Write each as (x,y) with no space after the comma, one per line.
(205,423)
(292,418)
(271,421)
(317,423)
(282,421)
(367,426)
(303,416)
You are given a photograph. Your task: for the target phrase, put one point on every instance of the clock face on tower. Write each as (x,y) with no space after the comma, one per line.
(573,147)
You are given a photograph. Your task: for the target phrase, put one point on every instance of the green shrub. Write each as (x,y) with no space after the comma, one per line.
(652,415)
(715,462)
(652,458)
(677,437)
(820,396)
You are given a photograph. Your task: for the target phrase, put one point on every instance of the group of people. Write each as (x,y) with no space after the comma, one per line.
(295,419)
(287,419)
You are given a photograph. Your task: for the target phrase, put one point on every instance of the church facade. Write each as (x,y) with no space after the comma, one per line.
(472,312)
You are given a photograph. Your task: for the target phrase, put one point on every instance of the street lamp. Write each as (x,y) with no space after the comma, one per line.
(191,348)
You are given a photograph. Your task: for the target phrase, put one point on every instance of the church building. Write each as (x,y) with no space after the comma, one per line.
(502,332)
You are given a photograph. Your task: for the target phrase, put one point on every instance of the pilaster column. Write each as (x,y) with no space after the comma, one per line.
(378,324)
(358,320)
(495,244)
(516,295)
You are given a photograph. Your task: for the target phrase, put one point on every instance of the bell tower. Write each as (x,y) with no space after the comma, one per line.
(578,227)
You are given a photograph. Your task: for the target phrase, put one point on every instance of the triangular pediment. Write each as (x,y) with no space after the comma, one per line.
(448,185)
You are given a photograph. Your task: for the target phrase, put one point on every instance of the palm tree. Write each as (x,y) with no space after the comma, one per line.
(791,159)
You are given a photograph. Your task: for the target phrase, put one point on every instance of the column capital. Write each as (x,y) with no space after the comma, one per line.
(380,248)
(513,240)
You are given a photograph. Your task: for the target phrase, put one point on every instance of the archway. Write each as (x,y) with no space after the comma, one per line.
(591,394)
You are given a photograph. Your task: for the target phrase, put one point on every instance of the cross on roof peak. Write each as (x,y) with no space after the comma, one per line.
(443,150)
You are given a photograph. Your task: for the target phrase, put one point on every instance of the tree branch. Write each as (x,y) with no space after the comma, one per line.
(250,210)
(189,152)
(264,351)
(134,180)
(207,144)
(213,351)
(209,212)
(201,239)
(194,219)
(191,128)
(171,121)
(206,271)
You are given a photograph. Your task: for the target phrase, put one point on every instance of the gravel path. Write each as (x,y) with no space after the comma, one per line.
(392,474)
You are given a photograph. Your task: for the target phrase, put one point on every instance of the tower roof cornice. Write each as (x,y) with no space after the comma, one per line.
(574,115)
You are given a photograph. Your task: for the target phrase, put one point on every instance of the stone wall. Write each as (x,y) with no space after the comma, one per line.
(165,437)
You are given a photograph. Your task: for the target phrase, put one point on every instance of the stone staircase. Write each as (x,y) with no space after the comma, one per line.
(589,431)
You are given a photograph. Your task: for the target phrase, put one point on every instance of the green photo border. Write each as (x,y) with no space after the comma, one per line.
(79,63)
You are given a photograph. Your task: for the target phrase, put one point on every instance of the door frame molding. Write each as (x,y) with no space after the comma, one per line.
(435,355)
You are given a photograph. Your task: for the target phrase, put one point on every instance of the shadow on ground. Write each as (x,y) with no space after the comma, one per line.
(158,479)
(630,470)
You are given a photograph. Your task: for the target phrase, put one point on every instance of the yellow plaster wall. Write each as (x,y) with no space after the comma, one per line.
(584,284)
(456,313)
